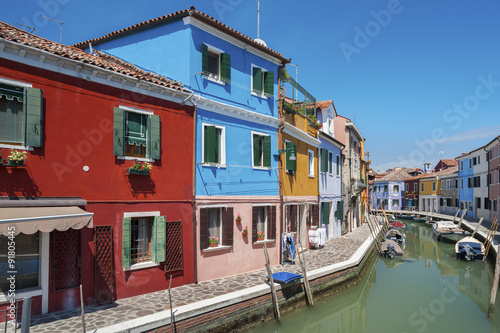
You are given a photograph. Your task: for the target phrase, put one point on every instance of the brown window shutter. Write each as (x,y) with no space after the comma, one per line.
(293,218)
(315,215)
(203,228)
(254,224)
(227,226)
(271,222)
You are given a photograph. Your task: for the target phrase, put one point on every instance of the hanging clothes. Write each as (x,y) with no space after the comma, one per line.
(288,247)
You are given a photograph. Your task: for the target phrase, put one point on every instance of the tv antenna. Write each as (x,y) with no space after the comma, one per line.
(60,31)
(26,26)
(258,19)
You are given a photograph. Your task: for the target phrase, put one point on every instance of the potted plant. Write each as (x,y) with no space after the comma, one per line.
(16,158)
(244,233)
(139,168)
(213,241)
(238,218)
(260,235)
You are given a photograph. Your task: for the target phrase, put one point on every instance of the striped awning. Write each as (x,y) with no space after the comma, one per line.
(29,220)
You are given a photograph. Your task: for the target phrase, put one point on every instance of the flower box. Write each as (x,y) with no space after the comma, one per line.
(141,172)
(14,163)
(260,239)
(213,244)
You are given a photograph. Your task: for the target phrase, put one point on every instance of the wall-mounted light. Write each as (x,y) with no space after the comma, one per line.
(288,150)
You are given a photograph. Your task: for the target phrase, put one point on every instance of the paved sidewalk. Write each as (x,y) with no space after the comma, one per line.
(334,252)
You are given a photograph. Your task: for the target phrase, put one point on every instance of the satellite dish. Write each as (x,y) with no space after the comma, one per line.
(260,41)
(441,153)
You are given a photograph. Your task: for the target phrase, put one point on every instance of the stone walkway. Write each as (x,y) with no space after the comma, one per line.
(335,251)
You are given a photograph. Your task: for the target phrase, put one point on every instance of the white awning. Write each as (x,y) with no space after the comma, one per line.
(29,220)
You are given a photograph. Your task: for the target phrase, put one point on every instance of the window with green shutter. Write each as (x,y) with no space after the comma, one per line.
(262,82)
(338,165)
(215,64)
(213,144)
(21,113)
(136,134)
(340,210)
(324,159)
(261,150)
(330,162)
(144,239)
(325,212)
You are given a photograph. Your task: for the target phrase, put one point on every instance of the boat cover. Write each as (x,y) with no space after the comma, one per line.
(475,246)
(285,277)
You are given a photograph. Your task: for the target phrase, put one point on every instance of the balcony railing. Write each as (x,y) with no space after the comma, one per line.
(297,99)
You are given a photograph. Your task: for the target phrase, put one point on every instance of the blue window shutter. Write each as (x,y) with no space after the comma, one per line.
(34,107)
(126,242)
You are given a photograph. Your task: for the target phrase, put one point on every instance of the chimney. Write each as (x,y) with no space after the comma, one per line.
(427,167)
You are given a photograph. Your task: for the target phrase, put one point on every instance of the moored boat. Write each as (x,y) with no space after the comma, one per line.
(469,248)
(422,219)
(390,249)
(397,225)
(396,235)
(448,231)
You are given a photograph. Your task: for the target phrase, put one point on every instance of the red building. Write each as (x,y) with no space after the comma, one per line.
(493,180)
(77,213)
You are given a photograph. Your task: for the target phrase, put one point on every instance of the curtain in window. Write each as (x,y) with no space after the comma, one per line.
(11,119)
(261,219)
(214,223)
(135,129)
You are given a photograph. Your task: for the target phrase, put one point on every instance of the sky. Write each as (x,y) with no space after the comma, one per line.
(419,78)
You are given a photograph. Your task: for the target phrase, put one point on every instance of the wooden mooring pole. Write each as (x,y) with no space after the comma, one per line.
(477,226)
(271,281)
(306,280)
(461,218)
(172,322)
(495,286)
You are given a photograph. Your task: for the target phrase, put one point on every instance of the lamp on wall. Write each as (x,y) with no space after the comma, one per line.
(288,150)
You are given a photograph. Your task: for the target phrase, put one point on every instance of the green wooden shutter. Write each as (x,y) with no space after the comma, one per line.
(34,107)
(330,162)
(154,144)
(338,164)
(210,141)
(126,242)
(256,150)
(324,160)
(288,163)
(204,58)
(226,67)
(340,210)
(294,163)
(119,132)
(267,151)
(257,80)
(159,239)
(269,83)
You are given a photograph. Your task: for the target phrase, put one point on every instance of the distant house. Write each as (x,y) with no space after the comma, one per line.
(388,191)
(449,202)
(411,188)
(445,164)
(492,203)
(330,172)
(472,172)
(430,194)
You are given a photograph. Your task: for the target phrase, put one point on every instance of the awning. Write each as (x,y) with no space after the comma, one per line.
(29,220)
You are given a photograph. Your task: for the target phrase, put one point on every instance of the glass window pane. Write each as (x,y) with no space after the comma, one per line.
(261,219)
(213,64)
(214,222)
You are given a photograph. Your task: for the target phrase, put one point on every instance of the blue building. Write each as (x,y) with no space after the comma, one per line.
(466,182)
(234,84)
(330,171)
(388,191)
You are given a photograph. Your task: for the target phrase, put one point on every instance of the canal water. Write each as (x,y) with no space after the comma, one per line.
(427,290)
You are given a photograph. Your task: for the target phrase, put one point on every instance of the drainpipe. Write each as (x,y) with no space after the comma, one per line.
(281,126)
(195,268)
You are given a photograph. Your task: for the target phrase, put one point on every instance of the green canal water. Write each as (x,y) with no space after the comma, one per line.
(428,290)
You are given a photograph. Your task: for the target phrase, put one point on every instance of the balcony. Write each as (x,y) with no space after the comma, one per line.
(298,106)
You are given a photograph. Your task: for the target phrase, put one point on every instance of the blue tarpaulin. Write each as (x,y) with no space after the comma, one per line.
(285,277)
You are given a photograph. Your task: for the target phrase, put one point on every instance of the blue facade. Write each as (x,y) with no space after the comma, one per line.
(465,188)
(388,195)
(174,49)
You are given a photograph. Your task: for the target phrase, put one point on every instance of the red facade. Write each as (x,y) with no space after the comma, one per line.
(76,160)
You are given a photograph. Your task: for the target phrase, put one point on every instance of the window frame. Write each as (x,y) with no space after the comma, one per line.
(222,146)
(263,152)
(310,164)
(222,57)
(261,94)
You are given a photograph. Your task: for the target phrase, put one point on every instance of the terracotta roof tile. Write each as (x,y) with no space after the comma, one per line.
(323,104)
(397,174)
(101,60)
(180,14)
(444,172)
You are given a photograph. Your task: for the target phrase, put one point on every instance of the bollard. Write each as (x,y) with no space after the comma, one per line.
(25,320)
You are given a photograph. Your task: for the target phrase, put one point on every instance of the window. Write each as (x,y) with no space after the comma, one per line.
(325,212)
(461,165)
(136,133)
(20,115)
(264,220)
(261,150)
(395,203)
(474,161)
(415,187)
(422,187)
(214,145)
(290,165)
(396,188)
(469,182)
(330,163)
(386,188)
(461,183)
(262,82)
(216,222)
(338,165)
(470,163)
(143,238)
(478,203)
(291,217)
(310,155)
(216,64)
(486,203)
(407,187)
(323,159)
(27,262)
(433,186)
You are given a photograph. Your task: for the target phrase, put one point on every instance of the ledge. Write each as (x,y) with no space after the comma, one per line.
(215,249)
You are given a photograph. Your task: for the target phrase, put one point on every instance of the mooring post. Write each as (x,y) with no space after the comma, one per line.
(25,320)
(477,226)
(306,280)
(456,214)
(462,217)
(172,323)
(495,286)
(273,291)
(491,235)
(83,311)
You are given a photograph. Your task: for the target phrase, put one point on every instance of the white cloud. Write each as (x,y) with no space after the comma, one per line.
(487,132)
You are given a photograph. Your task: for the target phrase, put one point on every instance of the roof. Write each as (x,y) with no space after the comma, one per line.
(398,174)
(181,14)
(444,172)
(450,162)
(323,104)
(98,59)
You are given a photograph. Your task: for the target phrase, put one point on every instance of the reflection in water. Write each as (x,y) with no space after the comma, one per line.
(428,290)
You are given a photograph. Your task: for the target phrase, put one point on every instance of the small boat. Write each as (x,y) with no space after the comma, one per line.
(470,248)
(397,225)
(430,223)
(390,249)
(448,231)
(396,235)
(422,219)
(405,216)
